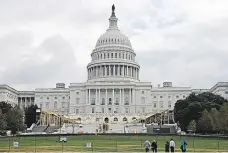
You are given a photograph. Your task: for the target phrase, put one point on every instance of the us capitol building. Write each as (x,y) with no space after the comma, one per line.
(113,89)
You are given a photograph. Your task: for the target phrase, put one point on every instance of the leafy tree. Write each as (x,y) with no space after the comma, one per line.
(216,121)
(192,126)
(223,118)
(5,107)
(205,123)
(15,119)
(3,123)
(30,115)
(192,107)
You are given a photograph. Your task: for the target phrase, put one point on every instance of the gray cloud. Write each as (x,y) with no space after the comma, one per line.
(44,42)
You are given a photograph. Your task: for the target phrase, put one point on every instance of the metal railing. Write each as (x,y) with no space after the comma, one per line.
(107,143)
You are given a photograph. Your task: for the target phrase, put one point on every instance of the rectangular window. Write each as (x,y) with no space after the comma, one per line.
(77,111)
(109,110)
(143,109)
(117,110)
(63,97)
(126,110)
(226,92)
(169,104)
(142,100)
(41,106)
(155,105)
(161,104)
(115,55)
(77,100)
(93,110)
(47,105)
(177,96)
(55,105)
(63,104)
(102,110)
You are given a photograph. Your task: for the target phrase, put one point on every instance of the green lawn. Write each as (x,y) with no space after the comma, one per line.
(107,144)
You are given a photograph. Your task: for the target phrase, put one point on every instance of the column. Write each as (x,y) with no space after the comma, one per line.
(113,97)
(123,96)
(105,68)
(25,102)
(106,98)
(138,74)
(96,68)
(130,96)
(120,96)
(114,70)
(30,99)
(131,71)
(123,70)
(86,96)
(99,91)
(89,96)
(96,97)
(109,70)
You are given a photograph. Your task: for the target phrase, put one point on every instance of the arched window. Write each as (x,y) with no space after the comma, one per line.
(101,56)
(133,118)
(125,119)
(106,120)
(55,105)
(115,119)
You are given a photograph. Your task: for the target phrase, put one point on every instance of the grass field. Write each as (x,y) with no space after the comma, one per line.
(77,143)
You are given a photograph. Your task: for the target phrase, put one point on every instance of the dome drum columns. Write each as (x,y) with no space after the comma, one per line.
(113,70)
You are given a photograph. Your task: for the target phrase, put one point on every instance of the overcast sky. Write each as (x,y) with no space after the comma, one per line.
(47,41)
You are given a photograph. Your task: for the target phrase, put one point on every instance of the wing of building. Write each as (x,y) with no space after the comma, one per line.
(113,89)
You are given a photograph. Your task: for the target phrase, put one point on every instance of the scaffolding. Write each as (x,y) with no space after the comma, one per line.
(52,118)
(165,117)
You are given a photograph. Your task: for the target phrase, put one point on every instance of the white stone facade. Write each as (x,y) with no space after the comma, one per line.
(113,89)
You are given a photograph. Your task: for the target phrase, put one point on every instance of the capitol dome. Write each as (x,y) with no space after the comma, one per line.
(113,37)
(113,58)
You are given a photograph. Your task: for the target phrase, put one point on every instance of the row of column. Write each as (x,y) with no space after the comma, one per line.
(113,70)
(25,101)
(98,98)
(114,55)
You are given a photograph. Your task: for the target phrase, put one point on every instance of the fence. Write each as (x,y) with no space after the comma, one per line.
(107,143)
